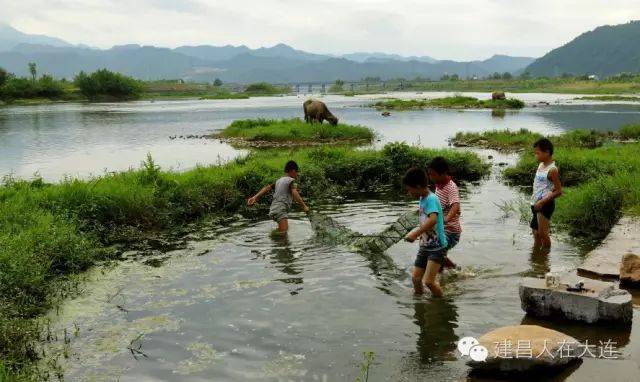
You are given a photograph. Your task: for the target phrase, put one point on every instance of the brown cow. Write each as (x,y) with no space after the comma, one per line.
(498,96)
(317,111)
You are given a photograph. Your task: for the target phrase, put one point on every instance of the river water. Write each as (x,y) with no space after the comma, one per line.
(89,139)
(238,304)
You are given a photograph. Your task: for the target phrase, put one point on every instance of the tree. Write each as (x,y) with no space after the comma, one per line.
(105,83)
(525,76)
(338,86)
(455,77)
(33,71)
(4,76)
(445,77)
(506,76)
(217,82)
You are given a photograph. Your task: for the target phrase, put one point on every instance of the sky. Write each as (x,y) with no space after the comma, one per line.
(445,29)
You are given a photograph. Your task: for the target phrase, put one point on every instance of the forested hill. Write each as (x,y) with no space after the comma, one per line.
(605,51)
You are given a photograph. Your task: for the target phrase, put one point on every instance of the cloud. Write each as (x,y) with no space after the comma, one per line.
(458,29)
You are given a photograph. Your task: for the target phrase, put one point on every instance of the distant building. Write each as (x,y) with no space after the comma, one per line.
(593,77)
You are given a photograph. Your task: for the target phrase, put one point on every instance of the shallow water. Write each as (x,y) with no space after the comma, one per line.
(240,304)
(244,305)
(89,139)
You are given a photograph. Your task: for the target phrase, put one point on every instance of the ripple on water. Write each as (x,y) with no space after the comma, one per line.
(254,306)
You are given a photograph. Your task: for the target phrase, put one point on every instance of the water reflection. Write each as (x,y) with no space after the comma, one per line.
(435,321)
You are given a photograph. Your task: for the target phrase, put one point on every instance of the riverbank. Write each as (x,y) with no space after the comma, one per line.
(51,231)
(455,102)
(518,85)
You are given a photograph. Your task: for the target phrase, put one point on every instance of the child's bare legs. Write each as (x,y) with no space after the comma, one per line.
(536,238)
(543,231)
(431,278)
(283,225)
(418,273)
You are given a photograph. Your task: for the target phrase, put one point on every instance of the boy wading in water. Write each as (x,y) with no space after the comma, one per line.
(546,188)
(433,241)
(449,196)
(286,191)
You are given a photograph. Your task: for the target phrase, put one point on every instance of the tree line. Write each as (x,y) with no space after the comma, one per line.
(102,84)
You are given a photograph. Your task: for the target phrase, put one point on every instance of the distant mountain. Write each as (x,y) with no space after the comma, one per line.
(213,53)
(10,37)
(382,57)
(248,68)
(501,63)
(144,62)
(605,51)
(279,63)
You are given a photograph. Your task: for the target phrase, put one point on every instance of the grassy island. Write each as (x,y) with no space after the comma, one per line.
(270,132)
(455,102)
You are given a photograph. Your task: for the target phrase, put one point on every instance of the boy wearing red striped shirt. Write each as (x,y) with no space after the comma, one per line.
(447,193)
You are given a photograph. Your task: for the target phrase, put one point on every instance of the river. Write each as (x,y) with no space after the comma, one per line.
(236,304)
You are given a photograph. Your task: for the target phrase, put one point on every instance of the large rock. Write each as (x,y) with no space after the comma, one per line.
(600,302)
(525,348)
(630,269)
(604,261)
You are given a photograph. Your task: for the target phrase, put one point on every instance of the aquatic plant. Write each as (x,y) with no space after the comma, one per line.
(365,366)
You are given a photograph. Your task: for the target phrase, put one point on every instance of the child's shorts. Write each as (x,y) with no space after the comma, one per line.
(546,211)
(278,213)
(426,254)
(452,239)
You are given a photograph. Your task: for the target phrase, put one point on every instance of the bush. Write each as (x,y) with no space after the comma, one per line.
(4,76)
(25,88)
(104,84)
(630,132)
(265,88)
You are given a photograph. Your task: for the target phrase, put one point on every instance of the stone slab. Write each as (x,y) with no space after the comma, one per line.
(604,261)
(601,302)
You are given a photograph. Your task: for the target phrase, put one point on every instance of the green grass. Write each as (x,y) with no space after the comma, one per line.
(609,98)
(630,132)
(600,176)
(265,88)
(225,95)
(523,138)
(48,232)
(455,102)
(294,130)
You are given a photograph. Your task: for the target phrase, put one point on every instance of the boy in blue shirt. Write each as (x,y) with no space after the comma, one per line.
(433,240)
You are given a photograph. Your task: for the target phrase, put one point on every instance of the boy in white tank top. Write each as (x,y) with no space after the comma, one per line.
(546,188)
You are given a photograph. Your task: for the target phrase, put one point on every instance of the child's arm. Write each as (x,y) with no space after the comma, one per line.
(426,226)
(252,200)
(298,199)
(554,176)
(453,212)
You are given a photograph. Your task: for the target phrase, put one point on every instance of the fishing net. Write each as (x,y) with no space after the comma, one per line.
(328,229)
